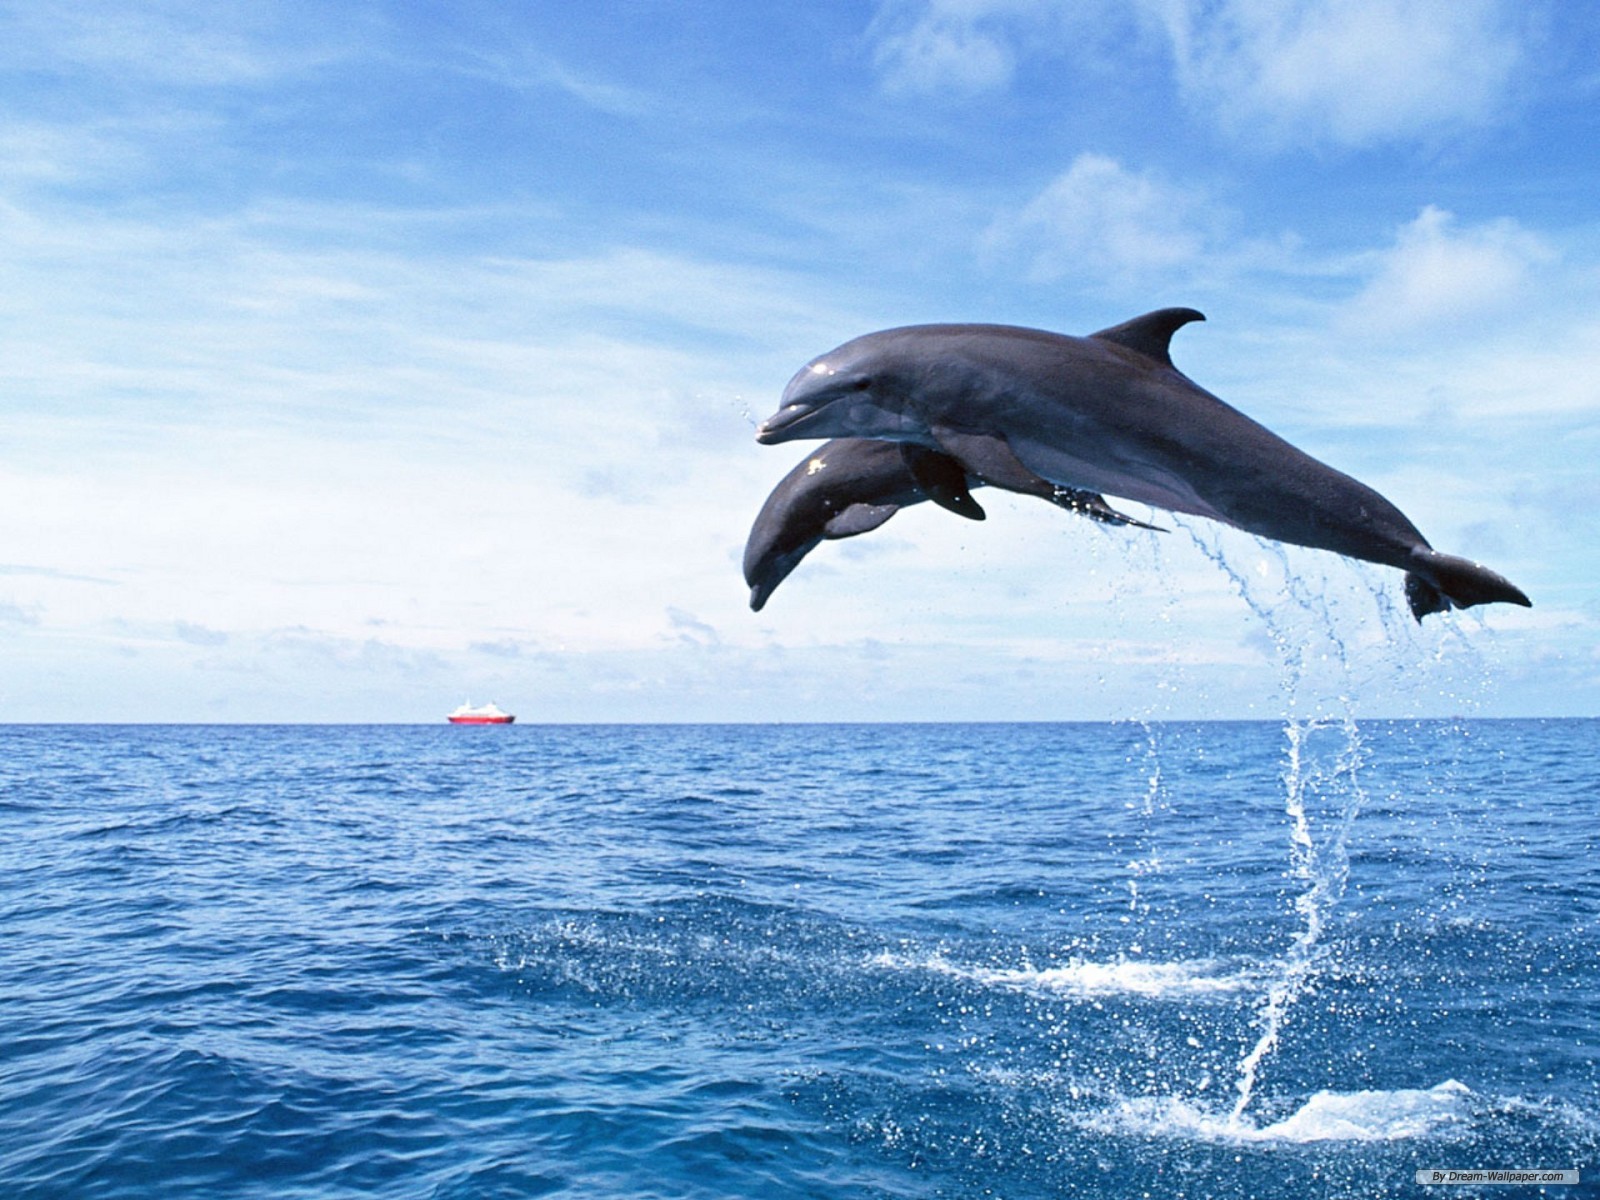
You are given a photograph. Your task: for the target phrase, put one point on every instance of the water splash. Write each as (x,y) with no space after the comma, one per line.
(1365,1116)
(1147,860)
(1322,758)
(1084,978)
(1320,866)
(741,406)
(1144,859)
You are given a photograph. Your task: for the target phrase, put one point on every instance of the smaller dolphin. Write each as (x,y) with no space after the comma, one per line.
(1111,413)
(853,485)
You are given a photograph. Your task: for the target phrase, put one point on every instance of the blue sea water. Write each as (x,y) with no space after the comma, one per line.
(1122,960)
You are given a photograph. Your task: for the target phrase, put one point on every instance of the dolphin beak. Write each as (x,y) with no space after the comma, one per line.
(779,427)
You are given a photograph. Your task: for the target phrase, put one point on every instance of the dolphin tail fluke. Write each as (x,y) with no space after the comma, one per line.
(1439,582)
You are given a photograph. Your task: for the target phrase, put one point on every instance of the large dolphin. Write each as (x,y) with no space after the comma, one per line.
(1109,413)
(853,485)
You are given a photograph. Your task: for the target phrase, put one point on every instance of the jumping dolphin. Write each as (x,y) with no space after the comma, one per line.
(1109,413)
(853,485)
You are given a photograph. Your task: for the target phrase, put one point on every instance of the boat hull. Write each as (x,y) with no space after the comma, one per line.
(480,720)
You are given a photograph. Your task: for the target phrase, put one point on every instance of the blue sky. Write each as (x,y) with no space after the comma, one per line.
(360,359)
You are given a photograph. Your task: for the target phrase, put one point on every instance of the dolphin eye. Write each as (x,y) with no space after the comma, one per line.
(859,384)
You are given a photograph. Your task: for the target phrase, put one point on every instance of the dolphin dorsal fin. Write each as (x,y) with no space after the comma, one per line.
(1151,334)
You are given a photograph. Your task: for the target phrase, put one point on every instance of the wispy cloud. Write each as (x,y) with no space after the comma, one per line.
(269,427)
(691,630)
(1354,72)
(319,314)
(437,372)
(1438,271)
(40,153)
(224,44)
(199,635)
(1098,218)
(964,46)
(53,573)
(17,614)
(522,69)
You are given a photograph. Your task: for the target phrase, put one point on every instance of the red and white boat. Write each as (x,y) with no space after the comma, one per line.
(483,714)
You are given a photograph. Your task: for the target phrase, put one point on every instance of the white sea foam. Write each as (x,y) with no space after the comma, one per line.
(1367,1116)
(1085,978)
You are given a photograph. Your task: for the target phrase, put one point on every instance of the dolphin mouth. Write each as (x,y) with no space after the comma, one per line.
(780,426)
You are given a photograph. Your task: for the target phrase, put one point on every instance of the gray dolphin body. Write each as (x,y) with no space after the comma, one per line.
(1109,413)
(853,485)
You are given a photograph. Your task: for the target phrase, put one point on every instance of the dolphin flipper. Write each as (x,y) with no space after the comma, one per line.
(1439,582)
(993,461)
(858,519)
(942,479)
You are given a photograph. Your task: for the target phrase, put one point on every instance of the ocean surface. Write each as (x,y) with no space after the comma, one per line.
(1276,959)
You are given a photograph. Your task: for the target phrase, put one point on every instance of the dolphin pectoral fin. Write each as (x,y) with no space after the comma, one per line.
(1093,505)
(1151,334)
(1439,582)
(993,461)
(942,479)
(858,519)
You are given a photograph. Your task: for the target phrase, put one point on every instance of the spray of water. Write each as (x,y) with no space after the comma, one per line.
(1148,861)
(1320,866)
(1323,753)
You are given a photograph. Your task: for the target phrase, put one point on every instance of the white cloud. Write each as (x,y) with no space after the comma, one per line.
(1545,373)
(1100,219)
(280,421)
(284,315)
(522,69)
(1439,272)
(36,153)
(1356,72)
(16,614)
(1350,72)
(960,46)
(265,455)
(220,44)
